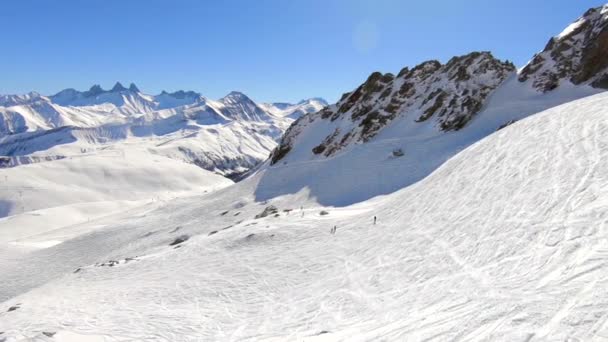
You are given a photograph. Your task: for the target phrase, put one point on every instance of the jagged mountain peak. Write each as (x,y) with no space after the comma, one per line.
(181,94)
(93,91)
(118,87)
(576,55)
(133,88)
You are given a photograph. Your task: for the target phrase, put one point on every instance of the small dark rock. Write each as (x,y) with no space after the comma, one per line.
(269,210)
(49,333)
(224,213)
(510,122)
(179,239)
(398,152)
(323,213)
(213,232)
(13,308)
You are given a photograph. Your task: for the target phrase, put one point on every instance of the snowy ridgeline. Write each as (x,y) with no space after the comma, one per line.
(505,241)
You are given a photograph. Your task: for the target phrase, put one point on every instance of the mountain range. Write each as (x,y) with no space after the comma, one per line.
(463,200)
(227,136)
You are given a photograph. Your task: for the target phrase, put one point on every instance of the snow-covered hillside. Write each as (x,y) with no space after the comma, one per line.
(505,241)
(403,127)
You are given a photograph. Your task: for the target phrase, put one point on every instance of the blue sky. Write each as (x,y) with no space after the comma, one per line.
(272,50)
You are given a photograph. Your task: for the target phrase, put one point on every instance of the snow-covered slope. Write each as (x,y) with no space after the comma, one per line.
(42,197)
(505,241)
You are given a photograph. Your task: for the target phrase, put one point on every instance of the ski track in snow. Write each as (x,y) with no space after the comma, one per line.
(505,241)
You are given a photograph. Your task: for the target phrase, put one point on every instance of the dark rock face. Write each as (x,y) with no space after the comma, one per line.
(579,55)
(450,94)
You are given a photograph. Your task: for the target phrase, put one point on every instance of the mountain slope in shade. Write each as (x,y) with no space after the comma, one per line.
(522,265)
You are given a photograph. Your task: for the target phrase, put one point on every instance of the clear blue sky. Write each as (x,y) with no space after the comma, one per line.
(272,50)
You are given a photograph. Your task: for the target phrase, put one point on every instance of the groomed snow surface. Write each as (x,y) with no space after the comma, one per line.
(505,241)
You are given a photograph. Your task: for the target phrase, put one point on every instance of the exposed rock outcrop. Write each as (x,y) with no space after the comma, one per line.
(578,54)
(449,94)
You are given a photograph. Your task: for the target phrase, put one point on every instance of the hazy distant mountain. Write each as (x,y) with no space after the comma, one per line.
(294,111)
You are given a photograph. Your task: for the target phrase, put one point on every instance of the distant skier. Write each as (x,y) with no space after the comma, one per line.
(333,230)
(374,220)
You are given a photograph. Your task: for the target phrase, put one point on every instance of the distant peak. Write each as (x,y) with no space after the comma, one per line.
(93,91)
(95,88)
(134,88)
(118,87)
(180,94)
(235,93)
(236,96)
(313,99)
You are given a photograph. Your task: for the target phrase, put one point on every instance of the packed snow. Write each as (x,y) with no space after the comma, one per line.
(504,241)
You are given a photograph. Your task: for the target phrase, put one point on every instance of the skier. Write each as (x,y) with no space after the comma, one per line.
(333,230)
(374,220)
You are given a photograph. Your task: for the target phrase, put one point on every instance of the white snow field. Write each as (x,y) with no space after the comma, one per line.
(505,241)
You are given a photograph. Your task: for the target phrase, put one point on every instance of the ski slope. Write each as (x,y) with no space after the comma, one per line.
(505,241)
(52,194)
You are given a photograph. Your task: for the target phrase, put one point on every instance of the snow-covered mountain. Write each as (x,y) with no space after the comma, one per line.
(228,136)
(295,111)
(405,126)
(576,55)
(79,131)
